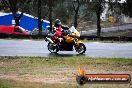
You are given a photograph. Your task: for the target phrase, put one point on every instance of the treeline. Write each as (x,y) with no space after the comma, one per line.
(68,11)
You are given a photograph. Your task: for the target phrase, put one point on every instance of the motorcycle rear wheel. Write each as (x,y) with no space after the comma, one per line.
(53,48)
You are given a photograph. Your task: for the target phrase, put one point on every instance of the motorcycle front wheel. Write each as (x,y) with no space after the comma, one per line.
(53,48)
(81,48)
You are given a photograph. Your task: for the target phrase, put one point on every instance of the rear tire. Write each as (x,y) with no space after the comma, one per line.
(53,48)
(81,48)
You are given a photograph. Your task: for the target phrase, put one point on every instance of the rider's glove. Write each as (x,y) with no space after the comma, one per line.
(60,39)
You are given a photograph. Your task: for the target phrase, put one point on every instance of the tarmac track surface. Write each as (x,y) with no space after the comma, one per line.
(39,48)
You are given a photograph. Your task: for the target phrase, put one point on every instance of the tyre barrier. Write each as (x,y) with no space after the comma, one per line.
(102,38)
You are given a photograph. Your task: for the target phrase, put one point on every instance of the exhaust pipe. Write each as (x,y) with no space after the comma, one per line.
(49,39)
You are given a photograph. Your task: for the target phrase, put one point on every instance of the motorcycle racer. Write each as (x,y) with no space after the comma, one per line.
(58,31)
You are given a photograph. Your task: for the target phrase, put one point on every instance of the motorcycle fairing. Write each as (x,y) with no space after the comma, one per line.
(78,42)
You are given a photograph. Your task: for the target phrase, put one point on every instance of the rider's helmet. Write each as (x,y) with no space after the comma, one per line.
(57,23)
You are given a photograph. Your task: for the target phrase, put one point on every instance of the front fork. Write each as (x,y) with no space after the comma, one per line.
(77,42)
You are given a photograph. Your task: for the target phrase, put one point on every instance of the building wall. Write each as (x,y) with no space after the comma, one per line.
(127,19)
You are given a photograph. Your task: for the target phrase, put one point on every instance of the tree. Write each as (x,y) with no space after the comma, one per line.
(50,4)
(61,11)
(14,7)
(37,8)
(97,6)
(98,10)
(115,9)
(127,8)
(39,17)
(76,6)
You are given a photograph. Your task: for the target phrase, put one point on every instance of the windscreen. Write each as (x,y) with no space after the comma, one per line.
(72,29)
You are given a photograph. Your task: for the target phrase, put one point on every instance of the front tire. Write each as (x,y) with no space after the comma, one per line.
(80,48)
(53,48)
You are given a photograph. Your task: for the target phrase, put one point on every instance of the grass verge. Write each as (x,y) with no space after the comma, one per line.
(58,71)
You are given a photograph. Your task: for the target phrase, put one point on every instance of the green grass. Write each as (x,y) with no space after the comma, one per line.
(16,84)
(23,72)
(24,65)
(19,84)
